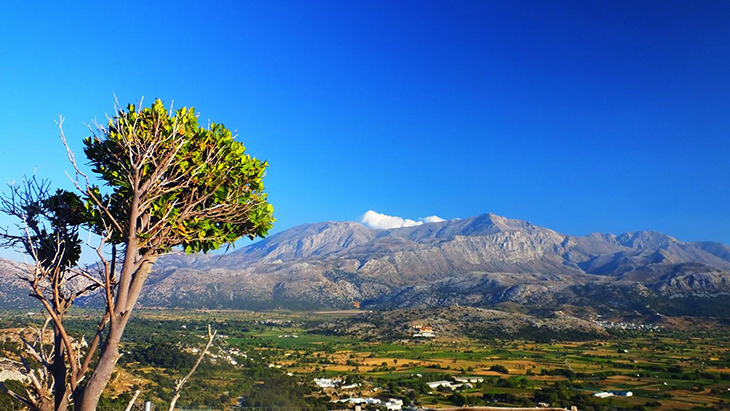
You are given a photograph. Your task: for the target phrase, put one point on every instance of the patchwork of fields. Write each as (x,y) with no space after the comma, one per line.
(261,355)
(665,370)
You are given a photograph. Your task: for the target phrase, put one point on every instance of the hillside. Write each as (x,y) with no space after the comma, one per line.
(485,261)
(482,261)
(14,291)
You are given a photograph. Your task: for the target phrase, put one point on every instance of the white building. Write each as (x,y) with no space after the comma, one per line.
(359,401)
(446,384)
(603,394)
(472,380)
(355,400)
(423,331)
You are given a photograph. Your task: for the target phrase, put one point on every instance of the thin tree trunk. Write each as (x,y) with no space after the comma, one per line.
(58,370)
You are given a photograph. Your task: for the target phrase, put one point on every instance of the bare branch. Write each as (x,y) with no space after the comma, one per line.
(131,402)
(75,181)
(182,381)
(92,348)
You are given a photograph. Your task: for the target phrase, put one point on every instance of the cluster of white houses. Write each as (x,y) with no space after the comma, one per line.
(458,382)
(423,331)
(392,404)
(333,383)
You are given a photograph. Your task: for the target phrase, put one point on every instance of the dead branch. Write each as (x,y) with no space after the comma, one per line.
(181,382)
(131,402)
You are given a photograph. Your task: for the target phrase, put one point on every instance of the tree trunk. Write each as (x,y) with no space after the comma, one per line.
(117,322)
(45,405)
(103,371)
(58,370)
(110,350)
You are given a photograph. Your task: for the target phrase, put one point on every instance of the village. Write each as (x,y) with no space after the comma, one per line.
(340,387)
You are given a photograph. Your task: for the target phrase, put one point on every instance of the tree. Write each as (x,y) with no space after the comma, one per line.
(48,232)
(166,182)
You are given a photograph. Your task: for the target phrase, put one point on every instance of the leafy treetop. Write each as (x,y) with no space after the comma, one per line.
(176,183)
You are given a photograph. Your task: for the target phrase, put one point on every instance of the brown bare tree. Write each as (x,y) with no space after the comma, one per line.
(47,232)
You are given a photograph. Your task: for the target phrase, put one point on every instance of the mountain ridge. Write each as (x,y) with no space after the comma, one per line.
(483,260)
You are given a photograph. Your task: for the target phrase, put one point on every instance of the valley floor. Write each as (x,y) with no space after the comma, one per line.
(271,359)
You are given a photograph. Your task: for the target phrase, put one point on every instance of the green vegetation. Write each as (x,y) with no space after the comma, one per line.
(271,359)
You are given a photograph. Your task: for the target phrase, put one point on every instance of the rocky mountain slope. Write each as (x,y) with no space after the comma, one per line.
(480,261)
(14,291)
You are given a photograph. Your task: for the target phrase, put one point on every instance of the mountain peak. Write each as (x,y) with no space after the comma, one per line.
(645,239)
(490,223)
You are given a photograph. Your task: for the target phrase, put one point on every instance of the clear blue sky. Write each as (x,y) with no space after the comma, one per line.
(578,116)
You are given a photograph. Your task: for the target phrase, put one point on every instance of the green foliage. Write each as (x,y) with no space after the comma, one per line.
(115,404)
(200,190)
(66,213)
(460,399)
(273,389)
(164,355)
(499,368)
(6,402)
(506,383)
(254,383)
(47,224)
(559,371)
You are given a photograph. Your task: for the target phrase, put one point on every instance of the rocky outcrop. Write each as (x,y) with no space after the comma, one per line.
(10,370)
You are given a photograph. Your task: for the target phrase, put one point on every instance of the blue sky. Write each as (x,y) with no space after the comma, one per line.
(578,116)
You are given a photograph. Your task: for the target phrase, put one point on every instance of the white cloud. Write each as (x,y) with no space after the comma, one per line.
(379,221)
(432,219)
(374,219)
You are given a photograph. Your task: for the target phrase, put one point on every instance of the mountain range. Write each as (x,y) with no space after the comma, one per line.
(482,261)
